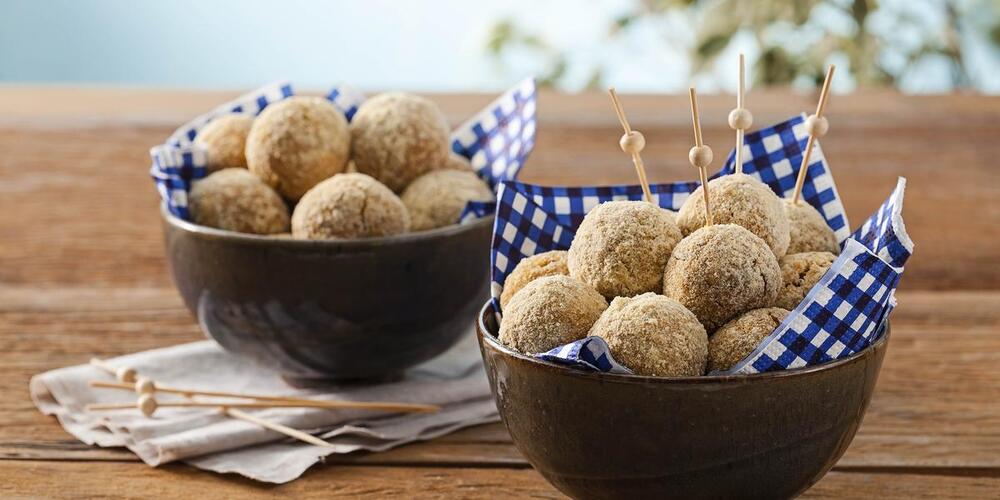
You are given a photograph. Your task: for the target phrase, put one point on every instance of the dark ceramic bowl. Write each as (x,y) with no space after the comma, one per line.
(595,435)
(321,310)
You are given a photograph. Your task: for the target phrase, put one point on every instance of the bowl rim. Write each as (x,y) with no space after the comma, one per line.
(355,243)
(493,343)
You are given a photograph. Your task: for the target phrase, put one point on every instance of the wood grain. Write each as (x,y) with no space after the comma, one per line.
(29,479)
(82,274)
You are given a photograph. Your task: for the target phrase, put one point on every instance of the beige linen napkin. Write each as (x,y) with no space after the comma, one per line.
(207,439)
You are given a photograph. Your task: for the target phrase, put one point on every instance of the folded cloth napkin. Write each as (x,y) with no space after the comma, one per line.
(207,439)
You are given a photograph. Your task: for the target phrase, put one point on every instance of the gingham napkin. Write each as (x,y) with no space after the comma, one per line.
(207,439)
(840,316)
(497,140)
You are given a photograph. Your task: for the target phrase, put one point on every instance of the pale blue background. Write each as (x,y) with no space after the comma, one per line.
(435,45)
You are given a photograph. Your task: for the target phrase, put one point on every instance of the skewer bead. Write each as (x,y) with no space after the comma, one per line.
(146,404)
(740,119)
(817,126)
(144,385)
(632,142)
(126,374)
(700,156)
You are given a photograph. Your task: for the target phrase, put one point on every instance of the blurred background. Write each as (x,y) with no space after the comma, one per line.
(917,46)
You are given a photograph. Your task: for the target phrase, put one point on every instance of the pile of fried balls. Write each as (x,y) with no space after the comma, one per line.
(299,167)
(671,296)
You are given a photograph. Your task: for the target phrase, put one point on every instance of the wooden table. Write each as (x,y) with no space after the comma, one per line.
(82,274)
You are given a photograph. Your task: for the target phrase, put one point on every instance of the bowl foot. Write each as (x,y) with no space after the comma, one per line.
(326,382)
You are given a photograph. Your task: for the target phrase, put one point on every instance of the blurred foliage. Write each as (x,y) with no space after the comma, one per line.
(793,41)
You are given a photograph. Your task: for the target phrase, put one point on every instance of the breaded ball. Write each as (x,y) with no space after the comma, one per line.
(807,230)
(236,200)
(548,313)
(551,263)
(349,206)
(298,142)
(742,200)
(397,137)
(720,272)
(799,273)
(437,198)
(457,162)
(621,248)
(654,335)
(225,140)
(737,339)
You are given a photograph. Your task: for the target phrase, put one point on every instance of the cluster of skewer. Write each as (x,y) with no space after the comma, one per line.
(229,403)
(740,119)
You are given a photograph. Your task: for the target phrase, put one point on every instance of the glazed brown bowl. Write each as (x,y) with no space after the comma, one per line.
(332,309)
(598,435)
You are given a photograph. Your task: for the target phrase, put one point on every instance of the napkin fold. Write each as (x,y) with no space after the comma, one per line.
(208,439)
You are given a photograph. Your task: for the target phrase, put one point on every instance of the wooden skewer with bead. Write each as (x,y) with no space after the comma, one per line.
(740,119)
(632,143)
(146,386)
(816,126)
(122,373)
(147,403)
(700,155)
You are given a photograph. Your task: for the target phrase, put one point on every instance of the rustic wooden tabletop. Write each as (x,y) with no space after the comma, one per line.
(82,274)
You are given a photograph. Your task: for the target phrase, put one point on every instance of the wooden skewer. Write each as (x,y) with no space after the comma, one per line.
(700,155)
(146,386)
(122,373)
(632,143)
(740,118)
(257,404)
(816,126)
(283,429)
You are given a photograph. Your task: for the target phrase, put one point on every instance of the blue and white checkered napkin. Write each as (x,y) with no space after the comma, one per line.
(497,140)
(533,219)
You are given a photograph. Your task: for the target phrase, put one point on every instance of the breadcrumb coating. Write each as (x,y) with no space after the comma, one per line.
(621,248)
(397,137)
(458,162)
(737,339)
(654,335)
(548,313)
(799,273)
(742,200)
(225,140)
(298,142)
(551,263)
(437,198)
(349,206)
(236,200)
(720,272)
(807,230)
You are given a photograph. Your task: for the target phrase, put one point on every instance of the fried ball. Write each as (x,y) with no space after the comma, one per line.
(654,335)
(457,162)
(807,229)
(720,272)
(437,198)
(548,313)
(349,206)
(621,248)
(397,137)
(742,200)
(799,273)
(298,142)
(740,337)
(236,200)
(225,140)
(551,263)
